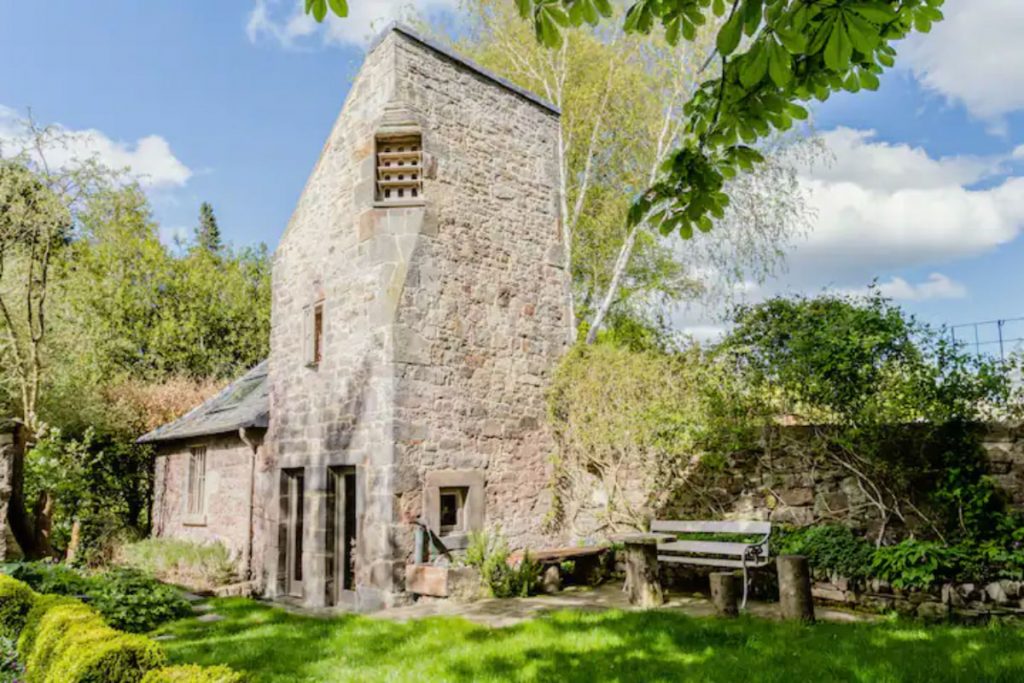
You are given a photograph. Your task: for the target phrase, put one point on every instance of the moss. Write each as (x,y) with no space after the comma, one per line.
(54,631)
(16,599)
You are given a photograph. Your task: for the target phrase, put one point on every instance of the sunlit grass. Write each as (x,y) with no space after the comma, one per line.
(276,646)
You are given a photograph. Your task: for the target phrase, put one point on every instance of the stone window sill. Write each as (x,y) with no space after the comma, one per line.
(195,520)
(399,204)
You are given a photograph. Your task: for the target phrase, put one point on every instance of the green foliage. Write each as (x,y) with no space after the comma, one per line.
(911,563)
(208,232)
(896,400)
(52,577)
(132,601)
(180,561)
(16,599)
(636,420)
(43,604)
(128,599)
(489,553)
(773,56)
(74,645)
(11,668)
(829,548)
(191,673)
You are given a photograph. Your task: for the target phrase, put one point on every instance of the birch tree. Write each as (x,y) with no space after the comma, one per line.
(622,99)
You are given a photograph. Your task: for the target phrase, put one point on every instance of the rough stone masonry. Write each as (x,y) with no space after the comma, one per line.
(412,339)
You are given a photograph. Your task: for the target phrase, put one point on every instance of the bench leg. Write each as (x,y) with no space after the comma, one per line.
(643,584)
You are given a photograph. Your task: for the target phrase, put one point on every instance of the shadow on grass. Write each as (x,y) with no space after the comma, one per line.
(273,645)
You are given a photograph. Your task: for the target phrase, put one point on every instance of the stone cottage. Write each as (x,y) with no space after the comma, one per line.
(419,307)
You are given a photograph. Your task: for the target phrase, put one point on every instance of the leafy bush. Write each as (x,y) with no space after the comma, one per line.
(74,645)
(490,555)
(51,577)
(16,600)
(828,548)
(135,602)
(128,599)
(912,563)
(11,668)
(191,673)
(197,565)
(42,605)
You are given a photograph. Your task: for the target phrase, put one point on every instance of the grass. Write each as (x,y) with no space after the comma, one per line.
(276,646)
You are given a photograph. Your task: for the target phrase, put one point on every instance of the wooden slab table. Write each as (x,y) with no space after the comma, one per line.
(643,584)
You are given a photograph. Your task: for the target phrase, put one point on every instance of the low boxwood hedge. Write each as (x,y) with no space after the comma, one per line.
(191,673)
(42,605)
(16,599)
(74,645)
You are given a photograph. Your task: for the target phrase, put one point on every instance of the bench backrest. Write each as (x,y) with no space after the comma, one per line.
(672,526)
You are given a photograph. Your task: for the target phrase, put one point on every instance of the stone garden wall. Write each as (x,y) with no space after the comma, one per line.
(791,486)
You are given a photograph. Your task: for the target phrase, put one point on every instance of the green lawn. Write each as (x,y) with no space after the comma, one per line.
(273,645)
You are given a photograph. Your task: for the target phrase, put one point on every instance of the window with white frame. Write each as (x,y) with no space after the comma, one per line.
(196,503)
(400,169)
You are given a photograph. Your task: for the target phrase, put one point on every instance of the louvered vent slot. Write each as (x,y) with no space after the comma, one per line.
(399,169)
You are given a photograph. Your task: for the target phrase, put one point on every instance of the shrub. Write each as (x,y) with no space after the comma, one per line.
(912,563)
(51,635)
(828,548)
(74,645)
(16,599)
(11,668)
(52,577)
(128,599)
(197,565)
(135,602)
(191,673)
(490,555)
(42,605)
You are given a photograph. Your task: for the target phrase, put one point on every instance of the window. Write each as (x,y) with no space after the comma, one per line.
(453,509)
(196,504)
(318,333)
(313,334)
(400,169)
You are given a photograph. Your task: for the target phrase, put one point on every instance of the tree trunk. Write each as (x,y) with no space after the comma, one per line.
(74,541)
(17,513)
(723,594)
(795,601)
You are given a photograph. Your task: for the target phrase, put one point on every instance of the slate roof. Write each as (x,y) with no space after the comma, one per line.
(243,403)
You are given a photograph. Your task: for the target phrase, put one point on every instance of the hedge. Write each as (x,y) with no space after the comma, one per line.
(16,600)
(74,645)
(191,673)
(42,605)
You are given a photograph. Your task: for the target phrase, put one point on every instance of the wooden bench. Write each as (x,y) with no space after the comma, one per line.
(715,553)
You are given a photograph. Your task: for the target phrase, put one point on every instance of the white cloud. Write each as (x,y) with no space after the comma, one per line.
(286,23)
(975,56)
(936,287)
(882,207)
(149,160)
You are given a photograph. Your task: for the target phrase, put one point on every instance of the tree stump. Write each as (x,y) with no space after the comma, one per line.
(643,585)
(723,594)
(795,601)
(551,582)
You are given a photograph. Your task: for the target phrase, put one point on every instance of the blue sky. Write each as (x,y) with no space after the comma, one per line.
(230,101)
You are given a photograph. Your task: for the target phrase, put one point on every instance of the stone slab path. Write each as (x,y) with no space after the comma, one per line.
(508,612)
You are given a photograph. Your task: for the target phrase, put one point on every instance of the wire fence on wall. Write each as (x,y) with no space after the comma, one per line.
(994,338)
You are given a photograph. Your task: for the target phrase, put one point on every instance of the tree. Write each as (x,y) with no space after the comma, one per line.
(621,99)
(770,58)
(208,232)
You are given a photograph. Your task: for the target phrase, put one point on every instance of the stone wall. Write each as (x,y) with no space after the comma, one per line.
(790,486)
(442,320)
(229,478)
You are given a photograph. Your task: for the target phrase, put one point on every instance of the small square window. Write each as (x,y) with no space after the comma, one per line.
(453,510)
